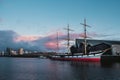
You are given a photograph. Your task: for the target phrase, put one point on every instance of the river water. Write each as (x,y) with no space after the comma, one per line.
(45,69)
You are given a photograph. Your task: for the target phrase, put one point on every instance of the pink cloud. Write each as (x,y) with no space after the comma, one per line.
(49,42)
(26,38)
(54,35)
(95,34)
(76,35)
(51,45)
(89,35)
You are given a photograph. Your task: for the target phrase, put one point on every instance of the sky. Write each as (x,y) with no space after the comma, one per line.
(36,20)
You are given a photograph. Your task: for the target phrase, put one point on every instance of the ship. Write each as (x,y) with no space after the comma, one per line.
(83,55)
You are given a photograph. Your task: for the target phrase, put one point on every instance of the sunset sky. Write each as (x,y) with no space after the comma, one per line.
(35,19)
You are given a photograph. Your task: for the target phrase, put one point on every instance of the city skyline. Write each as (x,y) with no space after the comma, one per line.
(32,21)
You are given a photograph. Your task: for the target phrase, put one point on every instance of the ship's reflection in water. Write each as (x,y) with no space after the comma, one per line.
(45,69)
(97,71)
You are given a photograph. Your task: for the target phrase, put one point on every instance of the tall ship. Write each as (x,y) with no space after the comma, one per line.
(82,50)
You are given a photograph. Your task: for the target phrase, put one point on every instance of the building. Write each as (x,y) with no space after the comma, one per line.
(21,51)
(95,42)
(97,45)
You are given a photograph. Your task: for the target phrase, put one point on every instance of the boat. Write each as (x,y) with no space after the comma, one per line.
(84,55)
(83,58)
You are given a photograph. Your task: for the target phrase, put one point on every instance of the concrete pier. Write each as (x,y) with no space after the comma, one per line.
(110,58)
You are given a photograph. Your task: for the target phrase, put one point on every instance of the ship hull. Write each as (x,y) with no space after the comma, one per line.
(86,58)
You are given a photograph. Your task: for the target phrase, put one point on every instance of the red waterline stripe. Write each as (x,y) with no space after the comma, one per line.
(78,59)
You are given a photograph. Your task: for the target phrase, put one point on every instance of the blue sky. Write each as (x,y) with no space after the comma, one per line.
(41,17)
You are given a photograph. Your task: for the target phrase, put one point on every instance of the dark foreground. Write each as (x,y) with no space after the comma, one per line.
(45,69)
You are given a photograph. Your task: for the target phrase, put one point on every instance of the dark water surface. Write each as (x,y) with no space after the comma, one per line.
(45,69)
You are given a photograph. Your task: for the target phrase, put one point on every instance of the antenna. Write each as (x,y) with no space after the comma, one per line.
(68,37)
(85,35)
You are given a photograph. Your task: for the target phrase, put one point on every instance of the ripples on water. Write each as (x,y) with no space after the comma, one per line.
(45,69)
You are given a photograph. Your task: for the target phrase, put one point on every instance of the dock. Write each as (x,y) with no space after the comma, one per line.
(110,58)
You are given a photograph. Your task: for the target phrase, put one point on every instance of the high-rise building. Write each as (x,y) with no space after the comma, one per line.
(21,51)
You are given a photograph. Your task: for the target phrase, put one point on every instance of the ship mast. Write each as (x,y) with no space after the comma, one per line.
(68,37)
(85,35)
(57,42)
